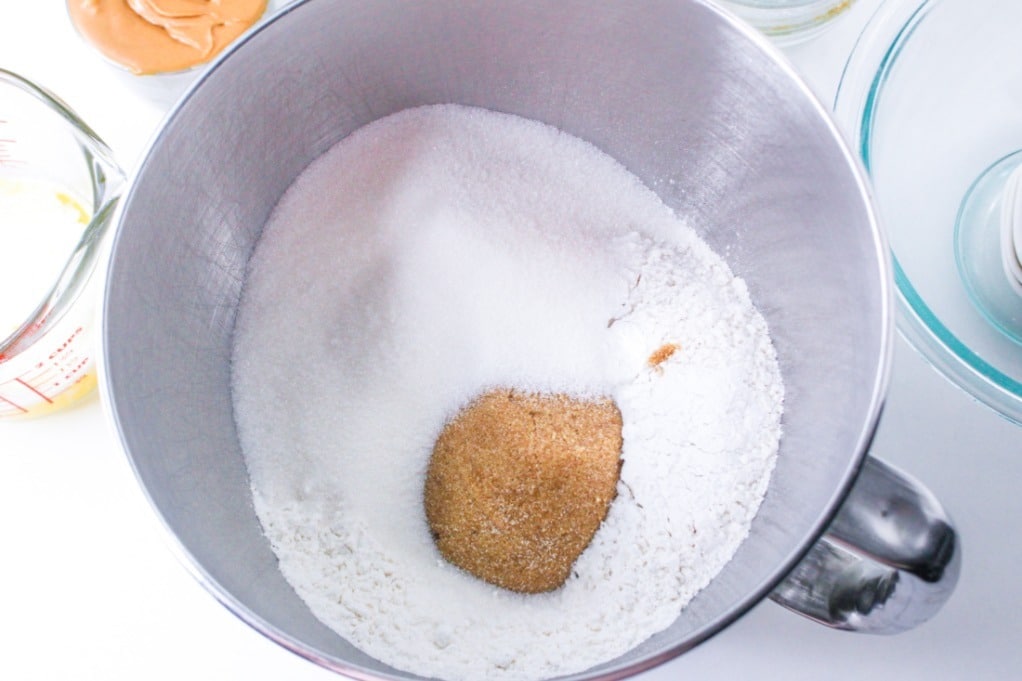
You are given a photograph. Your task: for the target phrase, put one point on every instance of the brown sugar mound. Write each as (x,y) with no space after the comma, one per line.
(519,483)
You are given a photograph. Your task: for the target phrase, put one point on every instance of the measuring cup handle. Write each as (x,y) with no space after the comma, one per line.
(887,563)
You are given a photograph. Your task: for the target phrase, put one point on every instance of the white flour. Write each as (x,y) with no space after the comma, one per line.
(437,253)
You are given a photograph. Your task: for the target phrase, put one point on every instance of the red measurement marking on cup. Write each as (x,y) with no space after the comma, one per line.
(48,400)
(44,376)
(21,394)
(6,156)
(5,151)
(17,407)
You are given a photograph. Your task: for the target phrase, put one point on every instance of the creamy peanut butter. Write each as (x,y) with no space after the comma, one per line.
(158,36)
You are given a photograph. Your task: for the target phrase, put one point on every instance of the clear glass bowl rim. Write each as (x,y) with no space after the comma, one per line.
(856,103)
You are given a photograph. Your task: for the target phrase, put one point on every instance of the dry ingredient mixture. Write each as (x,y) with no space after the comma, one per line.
(162,36)
(445,251)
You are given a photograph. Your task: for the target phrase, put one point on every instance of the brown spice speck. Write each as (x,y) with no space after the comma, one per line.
(662,354)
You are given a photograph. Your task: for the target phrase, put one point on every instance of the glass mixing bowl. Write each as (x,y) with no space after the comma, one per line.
(932,99)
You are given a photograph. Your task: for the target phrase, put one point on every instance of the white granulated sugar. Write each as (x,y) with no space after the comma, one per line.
(443,251)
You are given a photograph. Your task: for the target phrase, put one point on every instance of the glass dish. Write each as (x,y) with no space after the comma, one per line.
(931,97)
(788,21)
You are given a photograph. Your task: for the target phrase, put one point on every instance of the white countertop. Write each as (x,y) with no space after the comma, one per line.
(89,588)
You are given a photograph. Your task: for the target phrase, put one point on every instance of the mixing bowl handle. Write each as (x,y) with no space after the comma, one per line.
(888,561)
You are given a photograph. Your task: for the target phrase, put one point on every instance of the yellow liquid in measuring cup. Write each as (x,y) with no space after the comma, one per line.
(40,225)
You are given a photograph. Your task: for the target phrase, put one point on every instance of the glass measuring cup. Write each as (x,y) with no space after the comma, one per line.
(58,189)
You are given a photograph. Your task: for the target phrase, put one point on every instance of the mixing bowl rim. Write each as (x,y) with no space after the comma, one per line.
(864,437)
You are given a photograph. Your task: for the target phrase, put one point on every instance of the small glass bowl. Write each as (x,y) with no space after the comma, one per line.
(932,99)
(788,22)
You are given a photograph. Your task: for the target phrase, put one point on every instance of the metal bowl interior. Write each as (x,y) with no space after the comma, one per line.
(699,107)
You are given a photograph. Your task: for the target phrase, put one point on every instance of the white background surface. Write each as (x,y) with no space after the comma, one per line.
(90,590)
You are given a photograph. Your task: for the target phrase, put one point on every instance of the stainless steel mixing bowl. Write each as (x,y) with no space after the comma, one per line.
(701,108)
